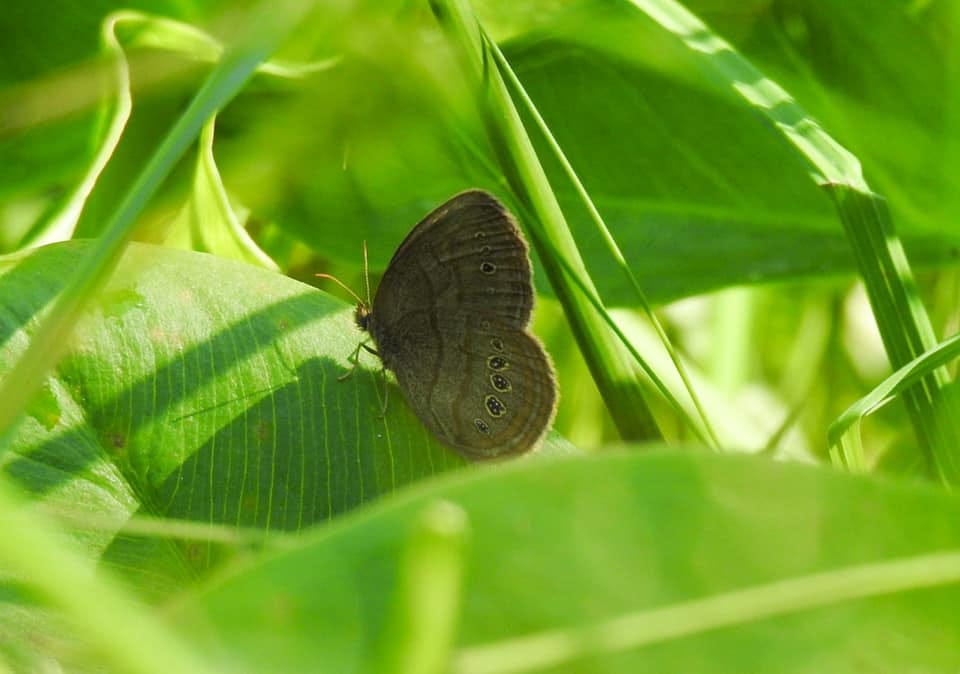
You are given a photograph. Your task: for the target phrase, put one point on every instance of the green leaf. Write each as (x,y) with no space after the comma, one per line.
(808,565)
(682,177)
(196,390)
(203,389)
(208,222)
(698,189)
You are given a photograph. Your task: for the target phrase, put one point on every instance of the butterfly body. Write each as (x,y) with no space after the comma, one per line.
(449,320)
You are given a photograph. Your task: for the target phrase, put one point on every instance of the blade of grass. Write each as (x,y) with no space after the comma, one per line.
(902,321)
(901,380)
(904,324)
(613,370)
(614,250)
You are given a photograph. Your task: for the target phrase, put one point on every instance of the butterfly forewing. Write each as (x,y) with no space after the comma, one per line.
(466,255)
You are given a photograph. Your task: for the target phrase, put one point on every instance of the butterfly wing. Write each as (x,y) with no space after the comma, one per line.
(504,399)
(449,320)
(466,256)
(488,391)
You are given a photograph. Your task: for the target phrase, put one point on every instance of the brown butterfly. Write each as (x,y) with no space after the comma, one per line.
(450,318)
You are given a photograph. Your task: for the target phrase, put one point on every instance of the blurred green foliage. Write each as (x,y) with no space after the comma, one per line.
(203,392)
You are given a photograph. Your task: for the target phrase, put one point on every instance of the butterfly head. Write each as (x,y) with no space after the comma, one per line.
(362,315)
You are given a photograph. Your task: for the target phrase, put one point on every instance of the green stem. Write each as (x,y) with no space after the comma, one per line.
(615,372)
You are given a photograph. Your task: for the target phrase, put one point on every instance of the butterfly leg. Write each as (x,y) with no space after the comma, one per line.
(386,391)
(354,359)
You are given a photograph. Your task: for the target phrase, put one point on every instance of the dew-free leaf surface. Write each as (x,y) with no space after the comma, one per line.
(567,543)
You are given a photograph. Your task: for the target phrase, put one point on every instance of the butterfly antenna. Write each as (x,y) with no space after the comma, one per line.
(366,274)
(343,285)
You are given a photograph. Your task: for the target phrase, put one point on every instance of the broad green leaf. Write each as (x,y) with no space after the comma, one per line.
(207,390)
(839,563)
(201,390)
(679,186)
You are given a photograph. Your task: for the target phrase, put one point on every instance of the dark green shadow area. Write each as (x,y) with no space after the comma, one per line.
(282,464)
(114,418)
(238,421)
(202,364)
(28,282)
(59,459)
